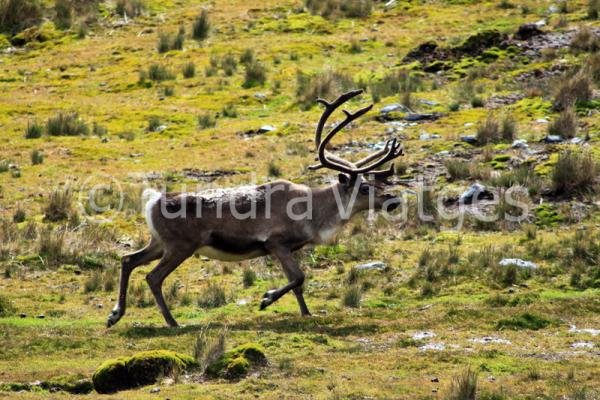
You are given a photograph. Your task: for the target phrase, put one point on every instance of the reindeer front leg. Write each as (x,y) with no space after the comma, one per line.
(295,277)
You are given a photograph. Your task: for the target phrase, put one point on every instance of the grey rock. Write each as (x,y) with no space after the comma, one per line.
(471,139)
(266,129)
(553,139)
(394,107)
(428,102)
(155,390)
(476,192)
(379,265)
(520,144)
(576,140)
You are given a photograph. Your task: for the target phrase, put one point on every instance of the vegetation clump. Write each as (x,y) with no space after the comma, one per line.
(524,321)
(140,369)
(322,85)
(236,363)
(343,8)
(494,130)
(17,15)
(201,27)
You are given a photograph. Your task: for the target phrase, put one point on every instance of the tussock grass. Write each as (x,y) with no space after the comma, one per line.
(565,125)
(248,277)
(325,85)
(340,8)
(201,27)
(66,124)
(130,8)
(352,296)
(59,206)
(585,40)
(212,296)
(16,15)
(33,130)
(574,173)
(206,121)
(189,70)
(593,9)
(37,157)
(572,90)
(464,386)
(209,345)
(496,130)
(255,74)
(457,169)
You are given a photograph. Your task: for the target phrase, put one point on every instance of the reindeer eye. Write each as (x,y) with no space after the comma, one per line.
(364,189)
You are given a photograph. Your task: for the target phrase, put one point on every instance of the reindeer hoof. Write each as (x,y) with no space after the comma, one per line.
(267,299)
(113,318)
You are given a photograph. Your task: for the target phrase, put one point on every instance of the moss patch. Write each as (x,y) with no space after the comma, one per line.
(237,362)
(139,370)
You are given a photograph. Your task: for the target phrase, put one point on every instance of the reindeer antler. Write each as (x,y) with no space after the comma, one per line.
(392,149)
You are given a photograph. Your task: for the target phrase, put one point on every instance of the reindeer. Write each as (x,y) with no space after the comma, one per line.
(276,218)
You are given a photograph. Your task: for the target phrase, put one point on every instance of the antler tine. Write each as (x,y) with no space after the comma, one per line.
(329,109)
(393,150)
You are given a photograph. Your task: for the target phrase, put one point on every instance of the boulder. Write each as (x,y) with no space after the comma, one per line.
(527,31)
(140,369)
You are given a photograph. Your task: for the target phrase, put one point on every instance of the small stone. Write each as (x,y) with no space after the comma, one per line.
(104,140)
(394,107)
(435,379)
(160,128)
(99,305)
(266,129)
(23,315)
(41,316)
(155,390)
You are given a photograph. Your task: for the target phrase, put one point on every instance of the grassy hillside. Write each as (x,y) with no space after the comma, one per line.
(90,99)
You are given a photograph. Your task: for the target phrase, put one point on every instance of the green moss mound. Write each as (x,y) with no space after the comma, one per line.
(74,384)
(524,321)
(237,362)
(139,370)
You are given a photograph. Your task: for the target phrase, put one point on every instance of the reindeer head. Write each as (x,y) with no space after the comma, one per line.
(357,180)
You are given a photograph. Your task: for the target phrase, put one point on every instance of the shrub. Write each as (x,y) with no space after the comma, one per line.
(593,9)
(130,8)
(255,75)
(98,129)
(229,64)
(206,121)
(565,124)
(16,15)
(524,321)
(157,72)
(323,85)
(592,67)
(37,157)
(464,386)
(574,89)
(393,83)
(212,296)
(33,130)
(141,369)
(249,277)
(477,102)
(63,11)
(201,27)
(457,169)
(66,124)
(168,91)
(508,128)
(59,206)
(352,296)
(574,172)
(51,245)
(189,70)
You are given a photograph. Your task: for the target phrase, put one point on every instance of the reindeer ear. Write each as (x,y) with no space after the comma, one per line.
(344,179)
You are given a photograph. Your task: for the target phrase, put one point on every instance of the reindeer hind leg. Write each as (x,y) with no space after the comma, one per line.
(153,251)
